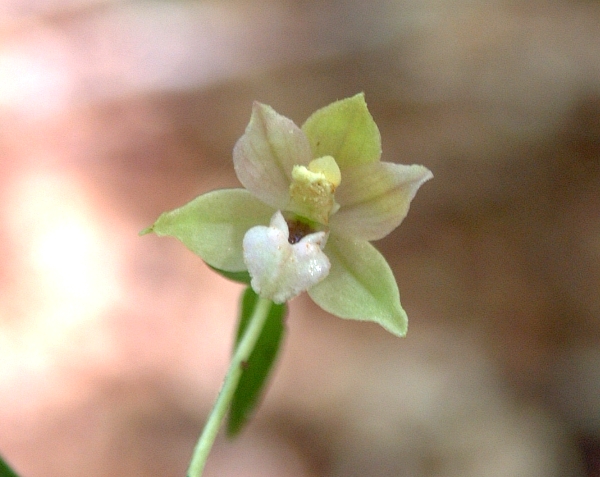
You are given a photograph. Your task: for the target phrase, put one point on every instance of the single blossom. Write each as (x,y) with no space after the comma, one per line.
(314,198)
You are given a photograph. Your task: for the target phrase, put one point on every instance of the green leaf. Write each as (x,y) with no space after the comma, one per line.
(5,470)
(213,226)
(239,277)
(256,370)
(345,130)
(360,286)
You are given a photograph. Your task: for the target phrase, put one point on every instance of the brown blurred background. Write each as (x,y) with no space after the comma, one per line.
(113,346)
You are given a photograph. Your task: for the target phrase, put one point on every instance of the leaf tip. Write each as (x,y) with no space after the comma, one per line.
(399,326)
(359,97)
(146,231)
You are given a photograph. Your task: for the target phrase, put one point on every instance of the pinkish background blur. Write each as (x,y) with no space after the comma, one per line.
(113,346)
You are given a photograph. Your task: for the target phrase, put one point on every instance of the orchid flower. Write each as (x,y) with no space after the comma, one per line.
(313,199)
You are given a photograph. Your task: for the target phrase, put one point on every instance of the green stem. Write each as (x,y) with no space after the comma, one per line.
(242,353)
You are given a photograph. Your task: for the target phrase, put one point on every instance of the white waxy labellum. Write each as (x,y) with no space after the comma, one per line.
(280,270)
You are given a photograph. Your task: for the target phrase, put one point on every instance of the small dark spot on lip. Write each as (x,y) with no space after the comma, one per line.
(298,230)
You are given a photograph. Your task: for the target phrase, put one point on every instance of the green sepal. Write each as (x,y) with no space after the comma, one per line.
(257,368)
(360,286)
(346,131)
(213,225)
(239,277)
(5,470)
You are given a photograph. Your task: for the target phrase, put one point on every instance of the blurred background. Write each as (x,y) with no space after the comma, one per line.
(113,346)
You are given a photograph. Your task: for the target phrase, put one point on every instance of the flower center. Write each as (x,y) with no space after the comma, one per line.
(312,189)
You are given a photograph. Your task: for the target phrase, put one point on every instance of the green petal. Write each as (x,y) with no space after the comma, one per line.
(345,130)
(213,225)
(360,286)
(261,360)
(375,198)
(265,155)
